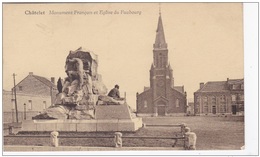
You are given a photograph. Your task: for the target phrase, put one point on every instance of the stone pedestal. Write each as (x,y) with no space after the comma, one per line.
(108,118)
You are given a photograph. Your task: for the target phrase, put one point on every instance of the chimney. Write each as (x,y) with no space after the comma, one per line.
(227,79)
(201,85)
(30,73)
(53,80)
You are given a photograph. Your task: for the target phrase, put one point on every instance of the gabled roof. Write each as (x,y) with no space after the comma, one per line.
(219,86)
(41,79)
(44,80)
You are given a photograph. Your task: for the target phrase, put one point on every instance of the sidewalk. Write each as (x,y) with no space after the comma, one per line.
(12,148)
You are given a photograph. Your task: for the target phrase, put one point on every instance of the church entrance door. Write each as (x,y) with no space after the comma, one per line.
(161,110)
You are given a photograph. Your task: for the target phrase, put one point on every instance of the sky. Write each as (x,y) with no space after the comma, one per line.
(205,41)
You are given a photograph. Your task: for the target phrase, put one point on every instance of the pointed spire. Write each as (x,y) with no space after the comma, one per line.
(160,42)
(159,9)
(169,66)
(152,66)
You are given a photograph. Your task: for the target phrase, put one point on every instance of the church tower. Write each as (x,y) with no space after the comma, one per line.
(162,97)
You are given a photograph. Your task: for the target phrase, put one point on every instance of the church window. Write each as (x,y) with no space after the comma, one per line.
(145,104)
(177,103)
(160,60)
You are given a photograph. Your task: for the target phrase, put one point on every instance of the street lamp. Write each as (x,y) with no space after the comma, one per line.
(24,111)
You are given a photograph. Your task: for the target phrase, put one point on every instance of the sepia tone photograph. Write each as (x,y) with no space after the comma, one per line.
(98,77)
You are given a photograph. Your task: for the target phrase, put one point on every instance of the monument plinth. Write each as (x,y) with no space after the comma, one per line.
(81,104)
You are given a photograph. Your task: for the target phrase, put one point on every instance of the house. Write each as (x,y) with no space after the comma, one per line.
(220,97)
(33,94)
(162,98)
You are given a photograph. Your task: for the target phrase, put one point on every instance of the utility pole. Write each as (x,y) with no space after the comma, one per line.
(15,101)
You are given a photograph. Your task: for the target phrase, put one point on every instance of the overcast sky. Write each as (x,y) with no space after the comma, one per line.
(205,42)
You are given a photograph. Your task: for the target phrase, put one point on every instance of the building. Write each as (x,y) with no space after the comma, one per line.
(220,97)
(190,108)
(162,97)
(33,94)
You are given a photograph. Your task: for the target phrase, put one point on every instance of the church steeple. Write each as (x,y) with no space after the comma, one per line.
(160,42)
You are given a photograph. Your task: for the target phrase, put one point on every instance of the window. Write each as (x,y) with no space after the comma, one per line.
(145,104)
(30,105)
(177,103)
(222,106)
(44,105)
(20,88)
(198,99)
(233,97)
(205,105)
(205,99)
(13,103)
(205,109)
(236,86)
(213,100)
(241,97)
(222,98)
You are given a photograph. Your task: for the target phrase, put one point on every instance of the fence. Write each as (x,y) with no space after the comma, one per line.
(186,139)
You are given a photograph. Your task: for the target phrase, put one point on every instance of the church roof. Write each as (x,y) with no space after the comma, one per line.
(160,42)
(179,89)
(146,88)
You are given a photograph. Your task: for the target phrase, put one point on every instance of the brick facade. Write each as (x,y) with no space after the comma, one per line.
(162,97)
(220,97)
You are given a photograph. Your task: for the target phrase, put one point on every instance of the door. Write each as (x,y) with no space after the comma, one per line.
(214,109)
(161,110)
(234,109)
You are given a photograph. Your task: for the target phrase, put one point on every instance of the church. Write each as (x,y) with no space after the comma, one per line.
(162,98)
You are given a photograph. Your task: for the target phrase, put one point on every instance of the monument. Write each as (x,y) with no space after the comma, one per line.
(82,104)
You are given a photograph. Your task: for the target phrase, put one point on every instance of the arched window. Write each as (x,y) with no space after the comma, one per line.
(177,103)
(145,104)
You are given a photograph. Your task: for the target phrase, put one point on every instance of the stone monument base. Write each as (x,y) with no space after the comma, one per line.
(108,118)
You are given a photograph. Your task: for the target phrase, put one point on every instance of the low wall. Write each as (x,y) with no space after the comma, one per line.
(82,125)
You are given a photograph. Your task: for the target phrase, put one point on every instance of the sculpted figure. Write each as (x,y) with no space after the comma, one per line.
(80,90)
